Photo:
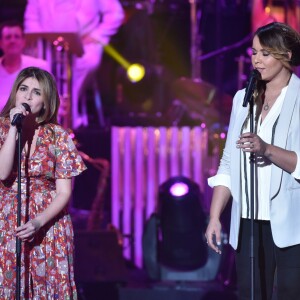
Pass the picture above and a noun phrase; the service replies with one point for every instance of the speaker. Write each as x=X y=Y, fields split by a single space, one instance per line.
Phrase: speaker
x=98 y=257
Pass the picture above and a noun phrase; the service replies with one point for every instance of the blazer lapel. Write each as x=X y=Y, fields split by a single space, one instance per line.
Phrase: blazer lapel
x=281 y=133
x=236 y=155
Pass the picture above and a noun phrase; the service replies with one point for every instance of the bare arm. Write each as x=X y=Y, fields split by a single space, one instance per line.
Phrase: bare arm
x=282 y=158
x=221 y=196
x=63 y=193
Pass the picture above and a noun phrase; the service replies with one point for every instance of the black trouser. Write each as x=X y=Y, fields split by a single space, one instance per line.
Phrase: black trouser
x=268 y=257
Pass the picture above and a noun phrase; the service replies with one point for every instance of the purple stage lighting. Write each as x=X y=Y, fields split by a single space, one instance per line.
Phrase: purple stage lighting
x=182 y=221
x=179 y=189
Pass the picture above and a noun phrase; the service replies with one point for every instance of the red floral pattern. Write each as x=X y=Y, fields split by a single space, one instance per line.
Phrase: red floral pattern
x=47 y=262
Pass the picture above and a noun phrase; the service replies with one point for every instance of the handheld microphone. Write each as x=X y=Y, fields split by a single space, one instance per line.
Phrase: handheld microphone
x=251 y=85
x=17 y=119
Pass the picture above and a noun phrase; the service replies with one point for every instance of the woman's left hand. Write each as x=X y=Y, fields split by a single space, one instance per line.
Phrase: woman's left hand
x=26 y=232
x=251 y=142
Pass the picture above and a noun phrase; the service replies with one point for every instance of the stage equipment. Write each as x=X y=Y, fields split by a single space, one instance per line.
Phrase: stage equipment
x=135 y=72
x=58 y=48
x=17 y=121
x=174 y=246
x=195 y=51
x=182 y=224
x=201 y=99
x=96 y=215
x=249 y=99
x=142 y=158
x=98 y=257
x=93 y=185
x=264 y=12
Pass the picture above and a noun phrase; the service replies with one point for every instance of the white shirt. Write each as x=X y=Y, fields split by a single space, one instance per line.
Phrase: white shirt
x=262 y=169
x=98 y=18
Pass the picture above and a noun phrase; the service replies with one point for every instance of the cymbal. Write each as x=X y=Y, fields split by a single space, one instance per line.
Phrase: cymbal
x=201 y=97
x=197 y=89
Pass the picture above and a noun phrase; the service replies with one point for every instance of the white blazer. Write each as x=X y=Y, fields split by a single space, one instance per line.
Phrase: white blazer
x=285 y=187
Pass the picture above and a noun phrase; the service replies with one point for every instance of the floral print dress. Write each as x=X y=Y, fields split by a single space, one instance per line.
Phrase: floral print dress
x=47 y=262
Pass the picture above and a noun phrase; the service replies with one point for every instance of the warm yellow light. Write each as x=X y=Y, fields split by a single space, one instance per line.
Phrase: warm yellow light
x=135 y=72
x=117 y=56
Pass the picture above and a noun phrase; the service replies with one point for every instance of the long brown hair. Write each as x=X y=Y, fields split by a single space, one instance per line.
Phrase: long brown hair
x=279 y=40
x=49 y=112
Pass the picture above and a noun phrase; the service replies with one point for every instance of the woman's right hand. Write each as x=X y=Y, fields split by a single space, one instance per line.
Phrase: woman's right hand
x=20 y=109
x=213 y=234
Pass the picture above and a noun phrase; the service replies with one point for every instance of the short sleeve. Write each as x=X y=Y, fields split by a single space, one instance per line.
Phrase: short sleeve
x=4 y=127
x=219 y=179
x=69 y=163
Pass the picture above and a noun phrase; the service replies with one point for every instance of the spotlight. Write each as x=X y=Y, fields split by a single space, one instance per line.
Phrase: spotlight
x=179 y=189
x=174 y=246
x=182 y=224
x=135 y=72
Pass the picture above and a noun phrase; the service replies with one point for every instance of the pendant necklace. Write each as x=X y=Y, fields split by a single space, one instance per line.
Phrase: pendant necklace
x=266 y=106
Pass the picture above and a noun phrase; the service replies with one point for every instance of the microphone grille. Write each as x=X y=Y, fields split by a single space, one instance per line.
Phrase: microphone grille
x=27 y=107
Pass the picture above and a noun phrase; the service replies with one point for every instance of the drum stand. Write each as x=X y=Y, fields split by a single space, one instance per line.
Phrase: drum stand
x=195 y=50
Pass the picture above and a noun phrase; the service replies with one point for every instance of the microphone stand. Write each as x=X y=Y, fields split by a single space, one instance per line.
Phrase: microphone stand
x=18 y=241
x=252 y=161
x=251 y=87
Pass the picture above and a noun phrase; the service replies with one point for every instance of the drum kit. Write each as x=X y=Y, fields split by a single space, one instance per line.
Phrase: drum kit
x=200 y=100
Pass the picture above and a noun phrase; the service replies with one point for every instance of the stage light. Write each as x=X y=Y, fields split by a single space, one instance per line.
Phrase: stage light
x=136 y=72
x=174 y=246
x=179 y=189
x=182 y=224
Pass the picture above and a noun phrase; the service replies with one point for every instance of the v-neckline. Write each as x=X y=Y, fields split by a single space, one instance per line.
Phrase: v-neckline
x=34 y=143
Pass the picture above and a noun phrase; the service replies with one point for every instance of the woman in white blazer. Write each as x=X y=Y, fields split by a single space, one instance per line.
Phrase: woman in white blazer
x=276 y=147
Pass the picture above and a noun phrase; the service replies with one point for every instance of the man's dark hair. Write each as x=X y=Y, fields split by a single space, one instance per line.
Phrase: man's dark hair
x=10 y=23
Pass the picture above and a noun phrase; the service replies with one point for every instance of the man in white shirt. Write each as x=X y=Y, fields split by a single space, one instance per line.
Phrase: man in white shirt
x=94 y=20
x=12 y=43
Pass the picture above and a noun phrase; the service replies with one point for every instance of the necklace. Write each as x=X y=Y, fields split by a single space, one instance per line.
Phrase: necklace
x=266 y=106
x=270 y=103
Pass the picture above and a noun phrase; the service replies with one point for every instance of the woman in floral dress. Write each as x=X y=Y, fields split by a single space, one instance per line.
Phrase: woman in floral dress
x=49 y=160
